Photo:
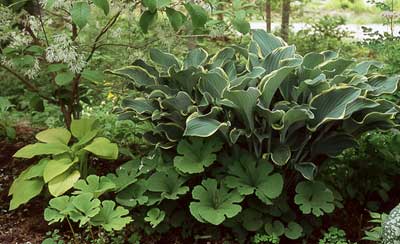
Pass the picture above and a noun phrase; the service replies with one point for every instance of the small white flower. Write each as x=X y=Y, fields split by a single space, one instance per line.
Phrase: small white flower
x=63 y=50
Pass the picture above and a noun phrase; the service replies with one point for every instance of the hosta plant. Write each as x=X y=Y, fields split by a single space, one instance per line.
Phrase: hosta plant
x=62 y=161
x=247 y=128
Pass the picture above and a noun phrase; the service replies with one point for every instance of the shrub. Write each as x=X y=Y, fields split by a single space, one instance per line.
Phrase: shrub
x=238 y=136
x=324 y=34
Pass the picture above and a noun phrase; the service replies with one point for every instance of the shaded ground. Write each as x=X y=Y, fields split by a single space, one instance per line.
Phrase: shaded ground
x=25 y=224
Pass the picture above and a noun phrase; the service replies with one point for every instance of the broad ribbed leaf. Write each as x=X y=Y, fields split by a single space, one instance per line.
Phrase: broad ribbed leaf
x=245 y=104
x=267 y=42
x=62 y=183
x=56 y=135
x=137 y=74
x=166 y=60
x=103 y=148
x=56 y=167
x=36 y=149
x=196 y=57
x=331 y=105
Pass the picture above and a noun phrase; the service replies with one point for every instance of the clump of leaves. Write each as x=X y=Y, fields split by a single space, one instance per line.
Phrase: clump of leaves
x=245 y=128
x=334 y=236
x=64 y=162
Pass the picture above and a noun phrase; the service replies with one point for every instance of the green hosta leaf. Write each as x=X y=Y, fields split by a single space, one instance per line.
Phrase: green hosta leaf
x=94 y=184
x=133 y=195
x=214 y=204
x=196 y=154
x=85 y=208
x=197 y=14
x=364 y=67
x=166 y=60
x=333 y=144
x=64 y=78
x=307 y=169
x=294 y=115
x=155 y=216
x=314 y=197
x=123 y=178
x=176 y=18
x=244 y=104
x=24 y=190
x=56 y=167
x=267 y=41
x=274 y=60
x=59 y=208
x=293 y=230
x=138 y=75
x=203 y=125
x=34 y=171
x=331 y=105
x=249 y=176
x=62 y=183
x=111 y=218
x=222 y=57
x=213 y=83
x=147 y=19
x=80 y=13
x=80 y=128
x=56 y=135
x=195 y=58
x=271 y=83
x=280 y=154
x=36 y=149
x=383 y=85
x=103 y=5
x=103 y=148
x=139 y=105
x=168 y=183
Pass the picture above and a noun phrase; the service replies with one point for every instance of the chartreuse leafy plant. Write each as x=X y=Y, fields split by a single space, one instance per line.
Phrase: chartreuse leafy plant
x=63 y=162
x=247 y=128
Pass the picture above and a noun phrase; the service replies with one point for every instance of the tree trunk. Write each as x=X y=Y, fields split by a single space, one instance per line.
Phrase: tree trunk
x=285 y=19
x=268 y=17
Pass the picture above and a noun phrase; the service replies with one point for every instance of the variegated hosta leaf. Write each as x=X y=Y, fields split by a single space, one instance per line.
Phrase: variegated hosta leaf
x=267 y=42
x=195 y=58
x=331 y=105
x=244 y=104
x=138 y=75
x=166 y=60
x=203 y=125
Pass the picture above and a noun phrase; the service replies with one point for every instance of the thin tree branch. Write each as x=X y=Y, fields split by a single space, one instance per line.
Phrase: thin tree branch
x=28 y=84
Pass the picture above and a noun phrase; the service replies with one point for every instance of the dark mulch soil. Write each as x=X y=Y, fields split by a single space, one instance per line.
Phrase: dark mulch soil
x=25 y=224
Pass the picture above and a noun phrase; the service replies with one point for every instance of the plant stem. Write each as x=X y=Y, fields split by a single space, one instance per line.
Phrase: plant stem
x=91 y=232
x=72 y=230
